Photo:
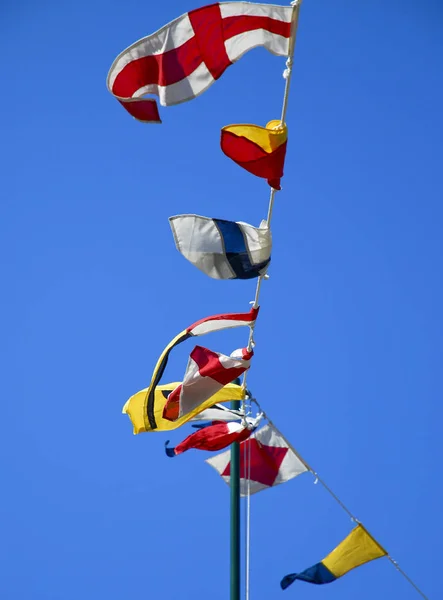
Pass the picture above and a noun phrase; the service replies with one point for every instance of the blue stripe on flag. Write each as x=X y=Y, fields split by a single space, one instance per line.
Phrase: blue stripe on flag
x=236 y=250
x=316 y=574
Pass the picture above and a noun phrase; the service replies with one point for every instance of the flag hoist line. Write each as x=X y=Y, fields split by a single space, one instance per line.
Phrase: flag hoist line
x=235 y=448
x=131 y=102
x=353 y=518
x=235 y=453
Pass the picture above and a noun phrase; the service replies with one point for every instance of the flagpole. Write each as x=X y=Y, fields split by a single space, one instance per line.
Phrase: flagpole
x=235 y=448
x=235 y=511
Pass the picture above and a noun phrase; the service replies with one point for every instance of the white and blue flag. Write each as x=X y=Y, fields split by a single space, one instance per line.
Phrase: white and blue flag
x=223 y=249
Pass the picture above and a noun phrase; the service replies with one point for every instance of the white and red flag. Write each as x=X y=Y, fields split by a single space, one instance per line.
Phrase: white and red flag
x=213 y=437
x=204 y=326
x=184 y=58
x=265 y=460
x=207 y=372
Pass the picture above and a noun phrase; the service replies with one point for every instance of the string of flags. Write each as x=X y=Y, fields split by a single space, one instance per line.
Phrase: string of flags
x=177 y=63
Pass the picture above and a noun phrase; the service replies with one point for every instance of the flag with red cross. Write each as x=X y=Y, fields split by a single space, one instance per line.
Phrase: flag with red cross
x=184 y=58
x=265 y=459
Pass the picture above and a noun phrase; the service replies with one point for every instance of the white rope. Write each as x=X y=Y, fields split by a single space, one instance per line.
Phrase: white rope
x=287 y=76
x=248 y=520
x=335 y=497
x=397 y=566
x=288 y=72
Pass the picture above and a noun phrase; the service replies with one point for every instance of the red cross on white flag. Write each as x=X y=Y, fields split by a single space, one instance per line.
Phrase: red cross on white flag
x=184 y=58
x=265 y=457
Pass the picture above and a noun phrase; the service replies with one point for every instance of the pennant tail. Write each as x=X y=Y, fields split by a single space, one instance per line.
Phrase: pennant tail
x=223 y=321
x=318 y=574
x=143 y=110
x=170 y=452
x=159 y=369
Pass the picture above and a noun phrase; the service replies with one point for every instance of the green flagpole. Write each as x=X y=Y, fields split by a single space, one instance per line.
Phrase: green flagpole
x=235 y=511
x=236 y=404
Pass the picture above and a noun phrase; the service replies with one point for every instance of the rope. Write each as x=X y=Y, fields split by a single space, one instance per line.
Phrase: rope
x=287 y=75
x=288 y=72
x=248 y=521
x=397 y=566
x=337 y=499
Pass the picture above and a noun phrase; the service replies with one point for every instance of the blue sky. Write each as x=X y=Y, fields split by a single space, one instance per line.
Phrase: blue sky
x=349 y=340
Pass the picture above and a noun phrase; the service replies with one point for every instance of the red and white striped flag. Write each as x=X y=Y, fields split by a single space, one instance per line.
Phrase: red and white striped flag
x=207 y=372
x=223 y=321
x=212 y=438
x=202 y=327
x=184 y=58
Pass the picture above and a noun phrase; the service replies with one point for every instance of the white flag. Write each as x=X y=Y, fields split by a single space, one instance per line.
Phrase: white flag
x=223 y=249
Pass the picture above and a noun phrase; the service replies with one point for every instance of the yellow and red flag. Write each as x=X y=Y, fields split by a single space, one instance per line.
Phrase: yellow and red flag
x=259 y=150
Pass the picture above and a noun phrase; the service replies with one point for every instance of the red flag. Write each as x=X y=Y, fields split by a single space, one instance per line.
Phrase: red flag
x=212 y=437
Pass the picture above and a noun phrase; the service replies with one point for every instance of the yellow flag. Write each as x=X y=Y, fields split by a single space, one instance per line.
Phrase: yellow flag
x=358 y=548
x=135 y=407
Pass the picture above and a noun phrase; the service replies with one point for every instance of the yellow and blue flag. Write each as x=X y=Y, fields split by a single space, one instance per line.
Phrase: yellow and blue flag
x=358 y=548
